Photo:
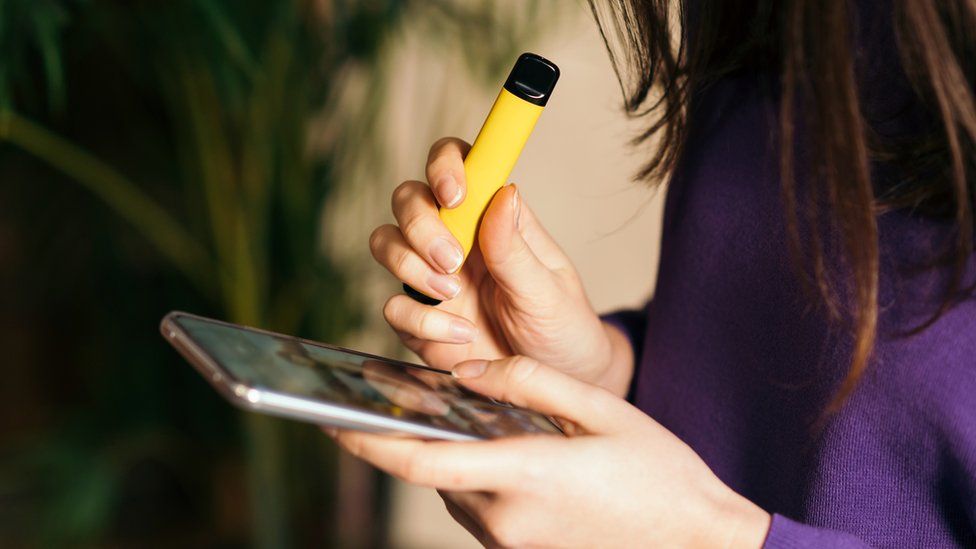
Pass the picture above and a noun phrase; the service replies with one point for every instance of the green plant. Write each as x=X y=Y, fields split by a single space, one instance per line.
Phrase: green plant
x=188 y=120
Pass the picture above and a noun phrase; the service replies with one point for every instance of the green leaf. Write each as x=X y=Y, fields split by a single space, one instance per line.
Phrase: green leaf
x=49 y=20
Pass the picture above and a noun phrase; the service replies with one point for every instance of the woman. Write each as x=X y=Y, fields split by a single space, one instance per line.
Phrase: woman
x=805 y=374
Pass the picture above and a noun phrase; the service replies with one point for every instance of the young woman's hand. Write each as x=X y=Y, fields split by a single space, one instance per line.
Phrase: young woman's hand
x=518 y=294
x=618 y=480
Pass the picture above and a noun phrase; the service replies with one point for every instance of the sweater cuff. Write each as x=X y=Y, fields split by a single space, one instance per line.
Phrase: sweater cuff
x=788 y=534
x=633 y=324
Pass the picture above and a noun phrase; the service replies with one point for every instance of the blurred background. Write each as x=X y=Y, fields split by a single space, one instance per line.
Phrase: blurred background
x=230 y=158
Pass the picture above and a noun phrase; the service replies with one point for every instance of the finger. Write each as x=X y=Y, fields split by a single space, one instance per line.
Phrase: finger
x=468 y=466
x=526 y=383
x=412 y=343
x=428 y=323
x=445 y=170
x=391 y=250
x=416 y=213
x=542 y=244
x=507 y=255
x=473 y=503
x=402 y=389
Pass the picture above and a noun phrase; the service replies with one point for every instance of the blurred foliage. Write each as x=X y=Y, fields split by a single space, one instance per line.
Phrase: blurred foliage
x=155 y=155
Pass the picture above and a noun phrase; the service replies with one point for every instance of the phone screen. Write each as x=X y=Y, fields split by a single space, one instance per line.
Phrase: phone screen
x=284 y=364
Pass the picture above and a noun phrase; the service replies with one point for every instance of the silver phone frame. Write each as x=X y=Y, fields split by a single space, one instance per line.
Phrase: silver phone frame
x=291 y=406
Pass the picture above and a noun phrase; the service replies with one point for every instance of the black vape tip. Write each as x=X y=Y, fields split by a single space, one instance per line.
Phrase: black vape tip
x=532 y=78
x=422 y=298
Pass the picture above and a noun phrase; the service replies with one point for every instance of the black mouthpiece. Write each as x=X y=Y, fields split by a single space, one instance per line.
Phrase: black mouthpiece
x=417 y=296
x=532 y=78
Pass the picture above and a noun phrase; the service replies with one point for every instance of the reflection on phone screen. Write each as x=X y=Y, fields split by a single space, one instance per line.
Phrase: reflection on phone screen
x=287 y=365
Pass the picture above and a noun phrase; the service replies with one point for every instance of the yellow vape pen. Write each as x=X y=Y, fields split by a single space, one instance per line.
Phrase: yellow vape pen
x=497 y=147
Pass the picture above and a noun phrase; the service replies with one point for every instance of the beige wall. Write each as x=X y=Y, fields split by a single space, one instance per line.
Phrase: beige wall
x=575 y=173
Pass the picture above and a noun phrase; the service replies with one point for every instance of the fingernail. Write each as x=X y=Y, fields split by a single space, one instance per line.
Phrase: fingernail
x=470 y=369
x=517 y=206
x=447 y=285
x=448 y=191
x=461 y=331
x=446 y=254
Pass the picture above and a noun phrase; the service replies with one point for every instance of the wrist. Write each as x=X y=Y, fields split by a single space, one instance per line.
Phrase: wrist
x=616 y=368
x=740 y=522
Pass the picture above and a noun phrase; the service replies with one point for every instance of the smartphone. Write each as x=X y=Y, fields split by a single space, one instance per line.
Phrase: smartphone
x=327 y=385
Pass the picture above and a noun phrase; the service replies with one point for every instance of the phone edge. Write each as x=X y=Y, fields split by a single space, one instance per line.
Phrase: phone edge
x=252 y=399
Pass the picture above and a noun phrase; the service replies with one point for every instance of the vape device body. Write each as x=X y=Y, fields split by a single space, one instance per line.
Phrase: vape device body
x=497 y=148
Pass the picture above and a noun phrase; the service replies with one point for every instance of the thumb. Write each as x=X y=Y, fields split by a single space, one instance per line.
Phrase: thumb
x=526 y=383
x=507 y=255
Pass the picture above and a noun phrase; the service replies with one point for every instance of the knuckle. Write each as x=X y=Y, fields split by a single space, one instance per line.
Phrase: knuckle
x=406 y=315
x=414 y=467
x=400 y=262
x=424 y=321
x=378 y=238
x=520 y=369
x=515 y=374
x=446 y=150
x=402 y=194
x=412 y=226
x=534 y=476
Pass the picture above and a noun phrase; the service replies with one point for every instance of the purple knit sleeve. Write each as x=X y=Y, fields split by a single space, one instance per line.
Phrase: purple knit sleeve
x=787 y=534
x=632 y=322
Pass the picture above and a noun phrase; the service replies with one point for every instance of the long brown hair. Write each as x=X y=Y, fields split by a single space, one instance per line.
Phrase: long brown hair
x=660 y=64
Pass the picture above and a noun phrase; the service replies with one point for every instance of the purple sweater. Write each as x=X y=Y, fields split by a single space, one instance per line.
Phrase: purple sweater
x=735 y=360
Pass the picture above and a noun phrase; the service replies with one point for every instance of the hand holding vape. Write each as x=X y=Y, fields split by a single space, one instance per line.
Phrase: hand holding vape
x=497 y=148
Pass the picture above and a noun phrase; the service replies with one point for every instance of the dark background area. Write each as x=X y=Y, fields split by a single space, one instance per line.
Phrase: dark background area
x=154 y=156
